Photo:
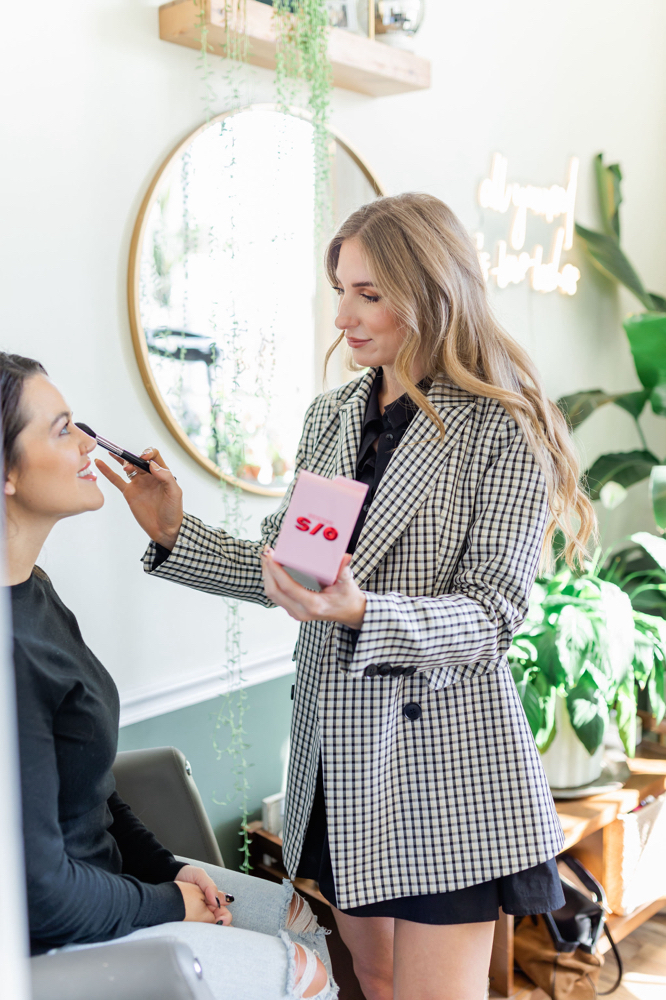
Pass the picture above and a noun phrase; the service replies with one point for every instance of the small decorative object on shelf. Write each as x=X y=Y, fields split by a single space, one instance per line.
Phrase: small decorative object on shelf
x=343 y=14
x=397 y=21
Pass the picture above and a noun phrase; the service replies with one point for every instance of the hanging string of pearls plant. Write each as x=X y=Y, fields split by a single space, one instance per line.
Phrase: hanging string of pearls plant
x=303 y=81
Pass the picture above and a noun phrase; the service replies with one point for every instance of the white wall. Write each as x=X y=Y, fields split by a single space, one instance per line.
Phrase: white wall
x=96 y=100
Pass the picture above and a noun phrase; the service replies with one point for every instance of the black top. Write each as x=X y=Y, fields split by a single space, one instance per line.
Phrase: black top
x=387 y=429
x=93 y=871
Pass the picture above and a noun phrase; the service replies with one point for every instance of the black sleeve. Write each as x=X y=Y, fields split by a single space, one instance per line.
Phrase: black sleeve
x=70 y=901
x=161 y=555
x=143 y=855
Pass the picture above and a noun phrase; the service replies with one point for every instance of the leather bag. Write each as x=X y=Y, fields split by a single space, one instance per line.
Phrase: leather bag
x=558 y=950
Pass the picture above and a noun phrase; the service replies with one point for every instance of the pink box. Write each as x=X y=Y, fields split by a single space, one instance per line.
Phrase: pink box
x=318 y=524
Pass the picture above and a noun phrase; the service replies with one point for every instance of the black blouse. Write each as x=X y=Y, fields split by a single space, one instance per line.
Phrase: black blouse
x=387 y=430
x=93 y=871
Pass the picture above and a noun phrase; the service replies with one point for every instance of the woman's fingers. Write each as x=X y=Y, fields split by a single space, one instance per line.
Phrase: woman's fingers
x=299 y=602
x=112 y=476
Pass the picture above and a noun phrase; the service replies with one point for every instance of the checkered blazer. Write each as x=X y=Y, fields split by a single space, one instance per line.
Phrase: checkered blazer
x=432 y=779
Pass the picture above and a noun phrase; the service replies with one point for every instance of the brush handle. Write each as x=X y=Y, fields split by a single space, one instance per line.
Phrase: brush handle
x=140 y=463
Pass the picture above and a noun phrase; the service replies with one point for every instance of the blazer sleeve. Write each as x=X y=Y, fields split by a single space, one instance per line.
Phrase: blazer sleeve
x=467 y=632
x=212 y=560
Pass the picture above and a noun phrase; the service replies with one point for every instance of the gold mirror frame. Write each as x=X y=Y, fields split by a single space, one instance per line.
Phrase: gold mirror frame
x=136 y=326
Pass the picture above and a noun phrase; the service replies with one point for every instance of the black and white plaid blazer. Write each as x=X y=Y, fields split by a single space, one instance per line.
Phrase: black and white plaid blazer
x=432 y=778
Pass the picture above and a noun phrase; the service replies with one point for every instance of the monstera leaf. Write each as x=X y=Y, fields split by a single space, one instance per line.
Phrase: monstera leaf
x=624 y=467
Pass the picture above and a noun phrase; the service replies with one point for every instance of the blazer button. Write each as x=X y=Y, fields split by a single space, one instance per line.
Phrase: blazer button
x=412 y=711
x=409 y=671
x=397 y=671
x=371 y=670
x=384 y=669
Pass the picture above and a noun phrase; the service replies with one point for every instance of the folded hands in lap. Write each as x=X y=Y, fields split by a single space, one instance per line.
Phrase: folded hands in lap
x=204 y=902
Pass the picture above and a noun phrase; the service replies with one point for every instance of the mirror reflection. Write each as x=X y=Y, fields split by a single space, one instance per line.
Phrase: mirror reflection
x=231 y=317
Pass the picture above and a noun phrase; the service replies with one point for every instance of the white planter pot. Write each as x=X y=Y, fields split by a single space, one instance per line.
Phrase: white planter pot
x=566 y=762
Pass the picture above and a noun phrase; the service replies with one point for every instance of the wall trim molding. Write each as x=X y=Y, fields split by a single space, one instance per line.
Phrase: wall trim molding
x=158 y=699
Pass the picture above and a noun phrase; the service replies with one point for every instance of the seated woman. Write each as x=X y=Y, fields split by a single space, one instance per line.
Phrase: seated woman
x=94 y=872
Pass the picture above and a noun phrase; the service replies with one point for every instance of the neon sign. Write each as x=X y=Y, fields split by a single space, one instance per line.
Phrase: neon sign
x=550 y=204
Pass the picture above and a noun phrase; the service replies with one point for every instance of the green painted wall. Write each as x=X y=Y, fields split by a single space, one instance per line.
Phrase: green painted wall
x=193 y=730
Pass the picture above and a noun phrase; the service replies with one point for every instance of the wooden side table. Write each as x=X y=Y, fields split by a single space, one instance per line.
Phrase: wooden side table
x=583 y=822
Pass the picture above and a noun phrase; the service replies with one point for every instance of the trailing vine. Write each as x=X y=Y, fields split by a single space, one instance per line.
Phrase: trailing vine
x=302 y=58
x=234 y=703
x=303 y=79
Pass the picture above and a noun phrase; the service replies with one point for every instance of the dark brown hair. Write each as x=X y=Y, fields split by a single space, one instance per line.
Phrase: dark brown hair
x=14 y=373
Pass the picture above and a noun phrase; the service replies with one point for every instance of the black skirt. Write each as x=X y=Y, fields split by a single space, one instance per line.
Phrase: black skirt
x=534 y=890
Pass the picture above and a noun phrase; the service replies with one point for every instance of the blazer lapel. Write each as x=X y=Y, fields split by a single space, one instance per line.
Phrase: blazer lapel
x=409 y=477
x=351 y=416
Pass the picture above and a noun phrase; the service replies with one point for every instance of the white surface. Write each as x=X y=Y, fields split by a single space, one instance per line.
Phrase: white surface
x=97 y=101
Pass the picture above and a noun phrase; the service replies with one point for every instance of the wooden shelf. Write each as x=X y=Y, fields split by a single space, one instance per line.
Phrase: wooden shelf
x=359 y=64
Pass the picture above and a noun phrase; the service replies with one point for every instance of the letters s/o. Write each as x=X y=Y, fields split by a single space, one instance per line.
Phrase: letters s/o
x=303 y=524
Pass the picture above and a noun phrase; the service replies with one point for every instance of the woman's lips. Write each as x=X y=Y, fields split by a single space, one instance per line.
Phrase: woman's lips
x=353 y=342
x=87 y=472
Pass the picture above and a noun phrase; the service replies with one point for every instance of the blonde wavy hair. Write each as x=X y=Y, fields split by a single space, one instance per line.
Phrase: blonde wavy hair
x=425 y=265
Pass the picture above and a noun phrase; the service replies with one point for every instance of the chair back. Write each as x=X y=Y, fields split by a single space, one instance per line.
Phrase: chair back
x=158 y=786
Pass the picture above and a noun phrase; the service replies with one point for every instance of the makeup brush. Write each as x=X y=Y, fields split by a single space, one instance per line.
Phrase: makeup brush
x=115 y=449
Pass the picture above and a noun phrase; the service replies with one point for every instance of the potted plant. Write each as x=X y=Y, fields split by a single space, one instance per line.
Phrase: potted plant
x=582 y=652
x=612 y=473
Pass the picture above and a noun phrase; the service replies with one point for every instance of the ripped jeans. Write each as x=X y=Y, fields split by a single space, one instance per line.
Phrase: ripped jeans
x=257 y=958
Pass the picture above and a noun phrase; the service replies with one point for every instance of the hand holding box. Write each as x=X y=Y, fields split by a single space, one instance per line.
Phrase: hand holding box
x=318 y=524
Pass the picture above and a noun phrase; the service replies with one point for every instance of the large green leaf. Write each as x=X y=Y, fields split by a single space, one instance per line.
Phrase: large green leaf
x=609 y=180
x=588 y=712
x=625 y=708
x=658 y=302
x=579 y=405
x=548 y=659
x=658 y=498
x=647 y=339
x=548 y=699
x=618 y=645
x=529 y=698
x=633 y=402
x=653 y=545
x=643 y=657
x=574 y=636
x=611 y=259
x=624 y=467
x=655 y=689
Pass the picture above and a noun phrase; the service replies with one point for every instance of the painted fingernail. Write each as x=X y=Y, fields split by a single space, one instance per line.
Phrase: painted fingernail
x=217 y=900
x=229 y=898
x=220 y=923
x=146 y=451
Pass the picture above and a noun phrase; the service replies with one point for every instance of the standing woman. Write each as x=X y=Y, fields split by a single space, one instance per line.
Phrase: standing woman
x=416 y=795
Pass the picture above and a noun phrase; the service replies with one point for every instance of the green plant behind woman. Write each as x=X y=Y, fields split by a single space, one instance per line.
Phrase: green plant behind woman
x=613 y=472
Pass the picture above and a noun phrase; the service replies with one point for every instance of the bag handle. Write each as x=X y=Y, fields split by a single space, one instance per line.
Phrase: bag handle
x=618 y=959
x=588 y=880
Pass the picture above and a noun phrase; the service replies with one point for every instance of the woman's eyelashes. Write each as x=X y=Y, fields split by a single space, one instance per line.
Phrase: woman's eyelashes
x=364 y=295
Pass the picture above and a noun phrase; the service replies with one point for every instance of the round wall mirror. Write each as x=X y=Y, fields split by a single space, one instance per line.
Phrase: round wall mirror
x=230 y=310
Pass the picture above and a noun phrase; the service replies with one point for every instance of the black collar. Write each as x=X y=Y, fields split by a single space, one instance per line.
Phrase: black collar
x=397 y=414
